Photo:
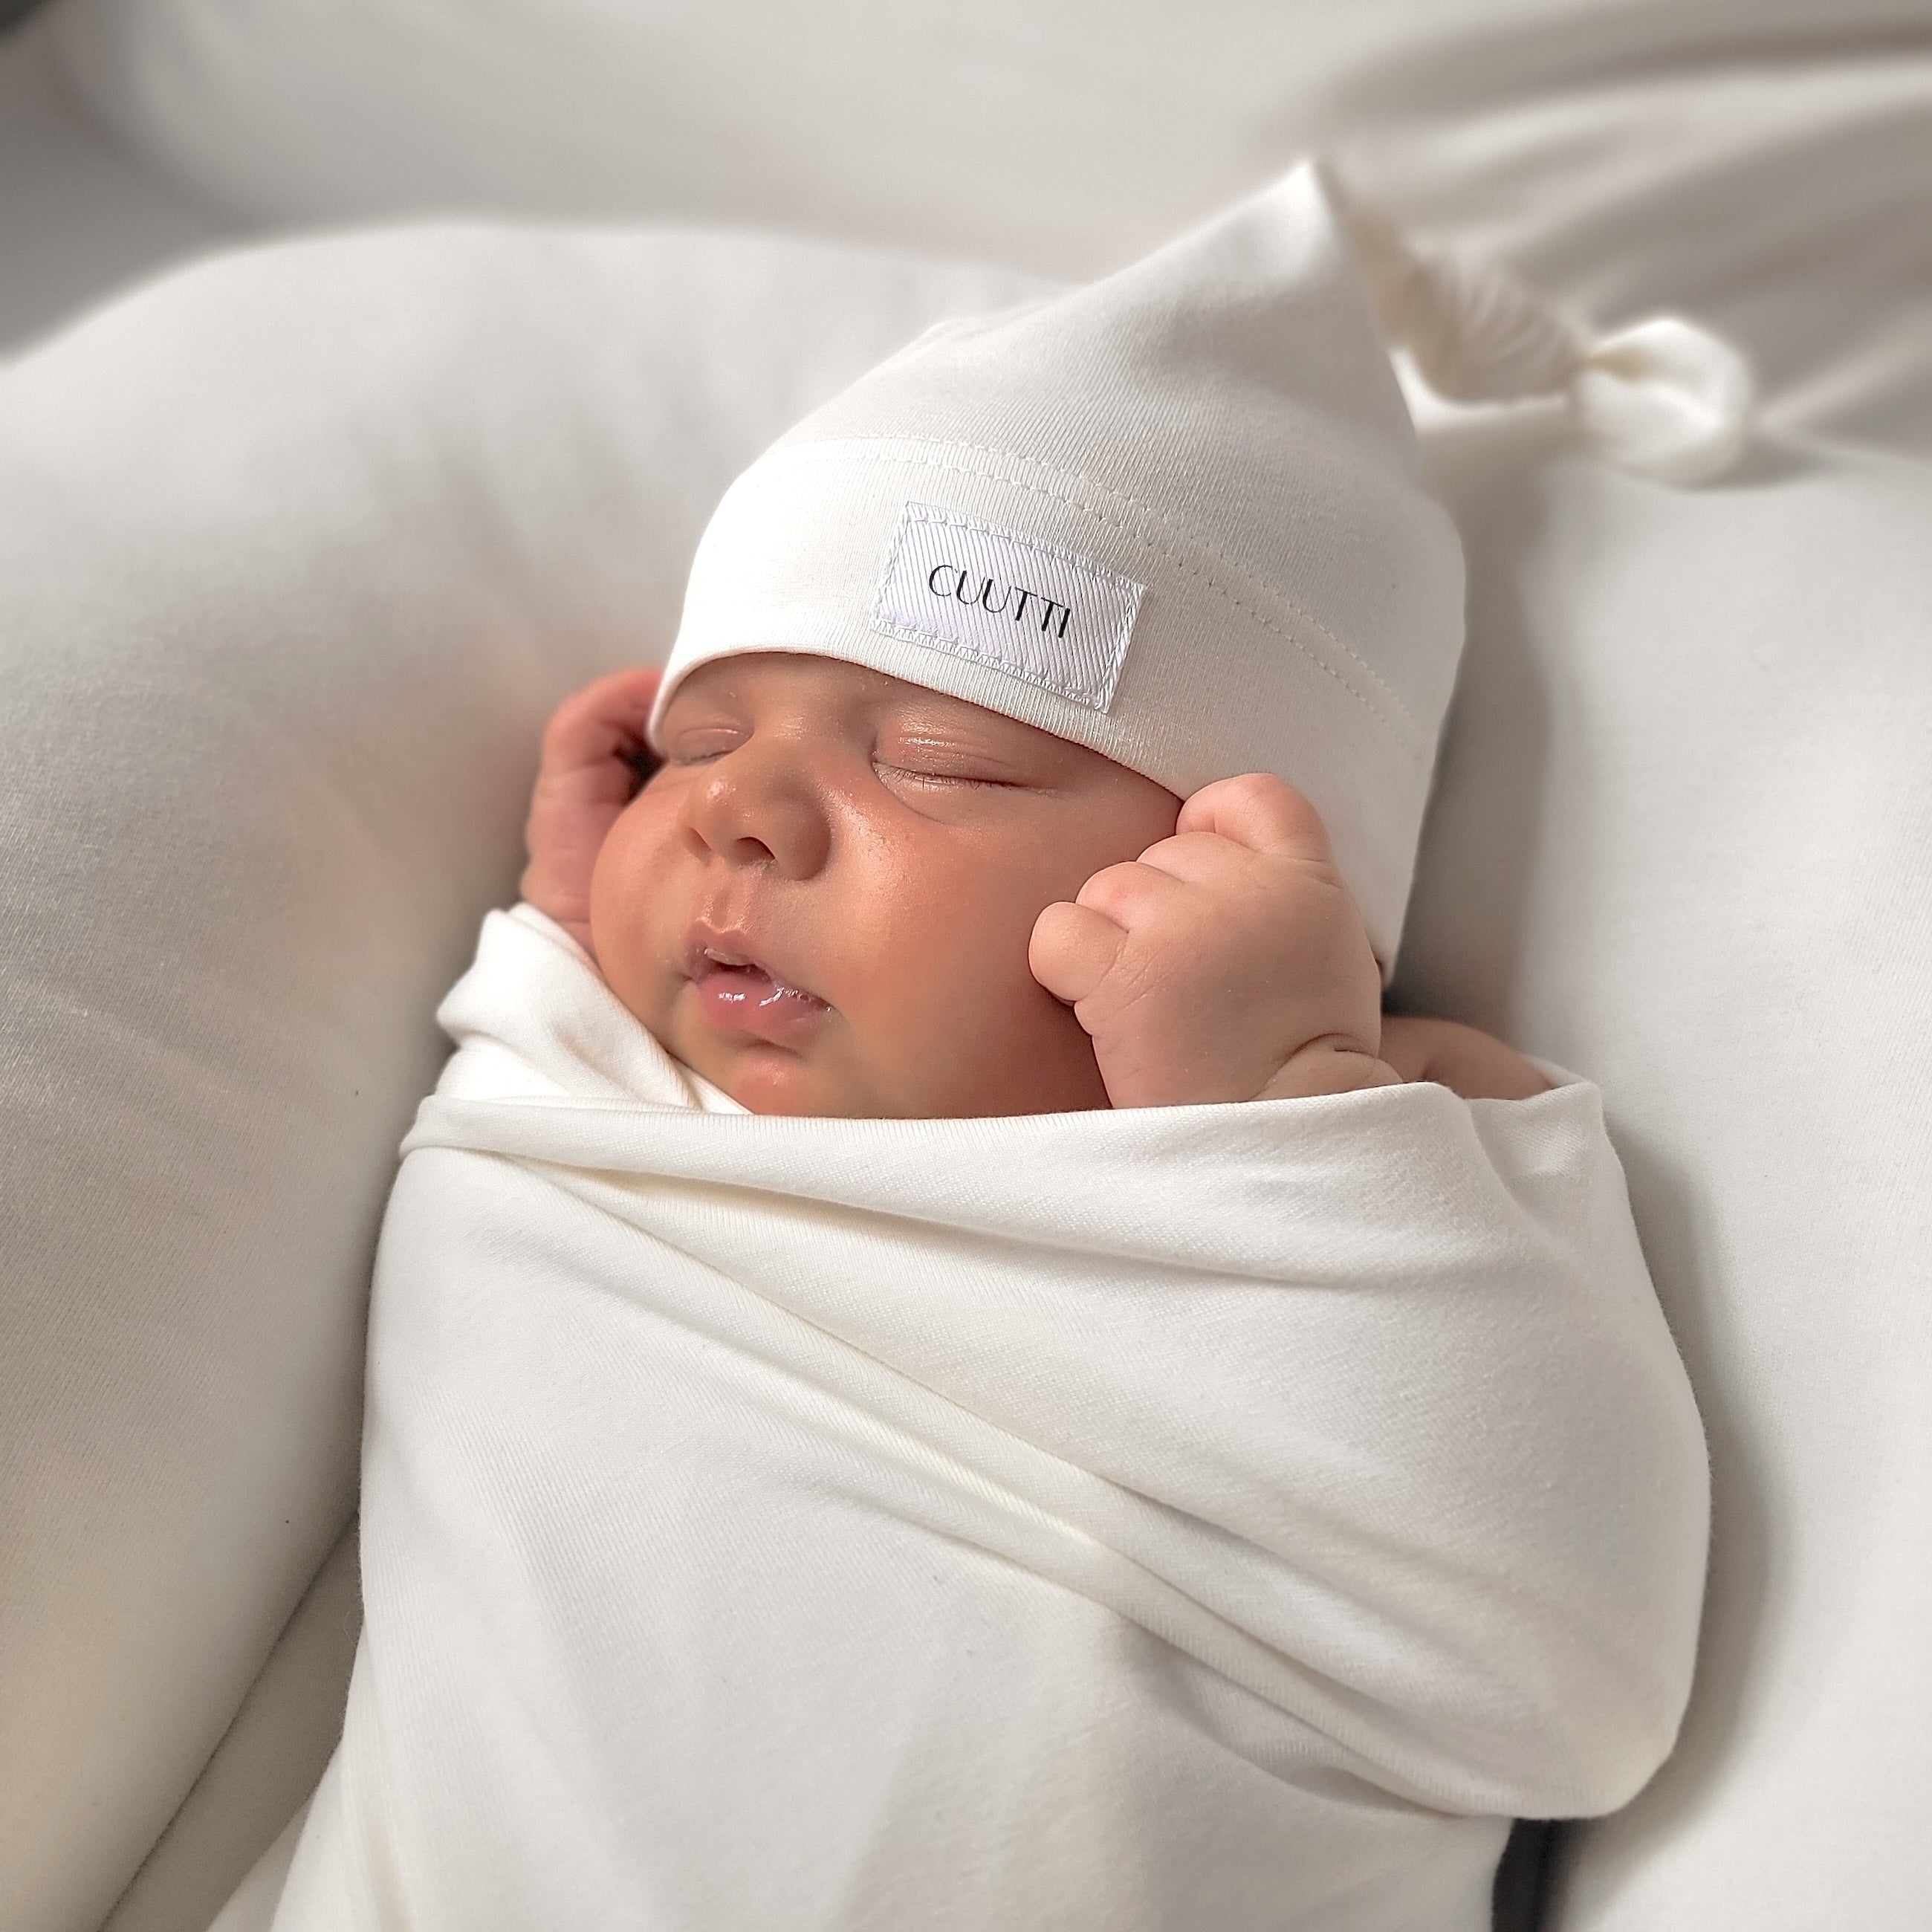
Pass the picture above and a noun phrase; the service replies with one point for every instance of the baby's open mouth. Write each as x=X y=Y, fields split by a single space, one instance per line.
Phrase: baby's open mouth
x=739 y=994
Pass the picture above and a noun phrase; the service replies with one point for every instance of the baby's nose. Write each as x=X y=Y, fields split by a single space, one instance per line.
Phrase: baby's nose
x=753 y=810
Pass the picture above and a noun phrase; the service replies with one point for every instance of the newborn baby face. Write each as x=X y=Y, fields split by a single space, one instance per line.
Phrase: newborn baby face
x=822 y=901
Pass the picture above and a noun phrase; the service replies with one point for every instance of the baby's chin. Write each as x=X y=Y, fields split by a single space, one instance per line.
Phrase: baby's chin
x=764 y=1077
x=828 y=1072
x=774 y=1081
x=764 y=1084
x=769 y=1081
x=819 y=1067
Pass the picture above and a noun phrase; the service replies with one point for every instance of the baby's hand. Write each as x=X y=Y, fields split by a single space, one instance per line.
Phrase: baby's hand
x=592 y=750
x=1459 y=1058
x=1227 y=963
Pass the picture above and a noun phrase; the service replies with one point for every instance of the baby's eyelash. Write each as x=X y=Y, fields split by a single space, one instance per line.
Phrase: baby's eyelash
x=941 y=778
x=683 y=752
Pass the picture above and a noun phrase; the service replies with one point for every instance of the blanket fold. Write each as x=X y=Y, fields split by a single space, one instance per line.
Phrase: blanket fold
x=1223 y=1515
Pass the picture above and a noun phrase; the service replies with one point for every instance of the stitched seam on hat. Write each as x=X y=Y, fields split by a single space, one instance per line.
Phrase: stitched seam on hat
x=1402 y=721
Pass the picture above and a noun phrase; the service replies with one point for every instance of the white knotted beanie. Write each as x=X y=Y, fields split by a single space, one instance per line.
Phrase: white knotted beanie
x=1177 y=515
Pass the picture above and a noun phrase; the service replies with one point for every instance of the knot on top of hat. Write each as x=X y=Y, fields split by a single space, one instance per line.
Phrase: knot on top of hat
x=1663 y=397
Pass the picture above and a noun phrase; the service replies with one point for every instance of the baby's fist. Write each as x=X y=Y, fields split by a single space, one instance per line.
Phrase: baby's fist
x=1228 y=962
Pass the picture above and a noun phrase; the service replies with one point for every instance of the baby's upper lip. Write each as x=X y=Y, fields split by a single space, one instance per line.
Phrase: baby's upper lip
x=707 y=947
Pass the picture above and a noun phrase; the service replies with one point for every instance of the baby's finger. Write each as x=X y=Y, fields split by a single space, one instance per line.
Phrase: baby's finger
x=1128 y=894
x=1072 y=950
x=1197 y=858
x=602 y=723
x=1260 y=812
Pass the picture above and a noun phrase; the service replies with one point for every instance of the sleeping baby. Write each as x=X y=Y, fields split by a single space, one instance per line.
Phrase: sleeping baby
x=829 y=901
x=936 y=1360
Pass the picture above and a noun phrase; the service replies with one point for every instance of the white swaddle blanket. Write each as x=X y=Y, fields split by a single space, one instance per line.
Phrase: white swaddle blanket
x=1197 y=1517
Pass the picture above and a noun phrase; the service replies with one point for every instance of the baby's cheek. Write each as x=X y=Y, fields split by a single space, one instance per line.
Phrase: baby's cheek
x=967 y=1030
x=626 y=913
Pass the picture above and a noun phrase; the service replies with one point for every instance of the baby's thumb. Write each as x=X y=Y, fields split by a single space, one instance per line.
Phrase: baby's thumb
x=1073 y=949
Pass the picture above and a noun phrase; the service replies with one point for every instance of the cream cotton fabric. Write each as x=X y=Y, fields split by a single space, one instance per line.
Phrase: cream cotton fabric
x=1221 y=1515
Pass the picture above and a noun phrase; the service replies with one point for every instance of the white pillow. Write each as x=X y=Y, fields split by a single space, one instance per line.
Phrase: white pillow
x=297 y=550
x=1762 y=164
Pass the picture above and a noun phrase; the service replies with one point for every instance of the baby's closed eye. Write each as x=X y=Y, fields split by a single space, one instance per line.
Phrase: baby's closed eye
x=935 y=759
x=936 y=774
x=699 y=744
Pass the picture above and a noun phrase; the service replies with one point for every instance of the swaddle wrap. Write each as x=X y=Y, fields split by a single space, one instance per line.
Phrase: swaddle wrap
x=1219 y=1516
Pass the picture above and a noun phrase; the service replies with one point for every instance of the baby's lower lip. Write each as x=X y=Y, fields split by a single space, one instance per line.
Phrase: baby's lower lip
x=747 y=999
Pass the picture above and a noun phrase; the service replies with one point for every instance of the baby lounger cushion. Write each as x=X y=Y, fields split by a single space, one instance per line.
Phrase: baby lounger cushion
x=295 y=552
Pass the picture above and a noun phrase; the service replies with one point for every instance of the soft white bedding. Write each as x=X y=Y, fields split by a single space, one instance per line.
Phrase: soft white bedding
x=1220 y=1516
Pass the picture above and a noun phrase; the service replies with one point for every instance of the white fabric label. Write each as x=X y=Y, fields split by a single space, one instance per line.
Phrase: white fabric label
x=1030 y=609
